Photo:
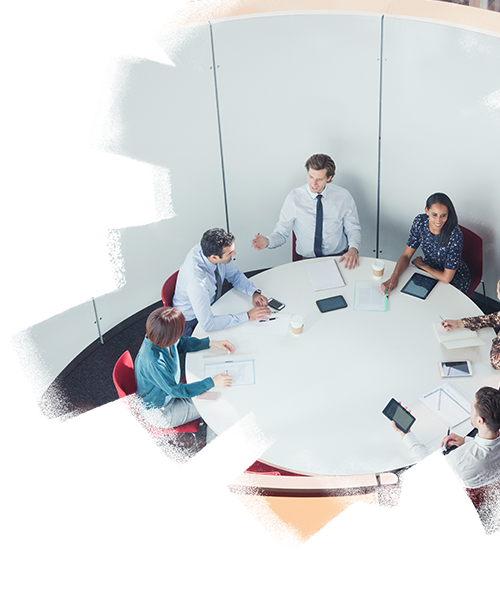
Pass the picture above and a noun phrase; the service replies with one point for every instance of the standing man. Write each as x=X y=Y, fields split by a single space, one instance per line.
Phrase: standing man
x=323 y=216
x=476 y=461
x=199 y=284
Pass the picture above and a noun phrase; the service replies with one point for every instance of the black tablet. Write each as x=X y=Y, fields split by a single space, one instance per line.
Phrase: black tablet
x=402 y=417
x=332 y=303
x=419 y=286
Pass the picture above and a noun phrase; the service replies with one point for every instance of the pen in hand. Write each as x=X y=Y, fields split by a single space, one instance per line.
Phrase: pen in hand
x=446 y=444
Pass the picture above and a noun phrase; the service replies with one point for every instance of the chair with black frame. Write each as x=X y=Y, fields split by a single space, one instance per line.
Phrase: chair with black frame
x=124 y=380
x=472 y=253
x=168 y=289
x=49 y=26
x=14 y=46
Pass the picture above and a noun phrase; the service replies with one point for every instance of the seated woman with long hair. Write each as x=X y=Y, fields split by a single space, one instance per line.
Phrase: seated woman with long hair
x=440 y=237
x=166 y=399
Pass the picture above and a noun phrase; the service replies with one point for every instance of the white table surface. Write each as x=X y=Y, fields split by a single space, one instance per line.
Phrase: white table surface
x=11 y=10
x=319 y=395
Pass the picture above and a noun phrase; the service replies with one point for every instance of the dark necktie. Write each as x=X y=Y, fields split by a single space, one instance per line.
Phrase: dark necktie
x=318 y=235
x=218 y=284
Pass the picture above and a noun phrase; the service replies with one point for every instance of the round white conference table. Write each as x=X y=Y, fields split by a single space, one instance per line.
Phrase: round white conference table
x=319 y=395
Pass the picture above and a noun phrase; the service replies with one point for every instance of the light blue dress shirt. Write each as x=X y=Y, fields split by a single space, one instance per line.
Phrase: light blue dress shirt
x=196 y=286
x=341 y=228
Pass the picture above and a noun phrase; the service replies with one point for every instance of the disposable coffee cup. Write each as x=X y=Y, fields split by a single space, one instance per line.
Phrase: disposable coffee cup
x=378 y=269
x=297 y=324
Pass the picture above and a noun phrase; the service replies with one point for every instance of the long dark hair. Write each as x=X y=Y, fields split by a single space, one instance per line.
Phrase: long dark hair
x=451 y=221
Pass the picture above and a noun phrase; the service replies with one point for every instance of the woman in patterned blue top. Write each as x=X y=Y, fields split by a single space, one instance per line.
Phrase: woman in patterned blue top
x=440 y=237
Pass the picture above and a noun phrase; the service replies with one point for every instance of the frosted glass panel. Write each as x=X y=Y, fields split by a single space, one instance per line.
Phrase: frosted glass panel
x=440 y=131
x=291 y=86
x=140 y=127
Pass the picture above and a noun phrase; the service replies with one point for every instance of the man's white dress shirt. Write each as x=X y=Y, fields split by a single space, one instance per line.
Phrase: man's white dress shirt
x=341 y=228
x=476 y=462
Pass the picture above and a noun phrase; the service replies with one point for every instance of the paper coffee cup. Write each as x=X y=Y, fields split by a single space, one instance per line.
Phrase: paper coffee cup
x=297 y=324
x=378 y=268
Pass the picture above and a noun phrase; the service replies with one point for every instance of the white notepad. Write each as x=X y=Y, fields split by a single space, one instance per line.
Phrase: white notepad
x=324 y=274
x=242 y=371
x=448 y=403
x=457 y=338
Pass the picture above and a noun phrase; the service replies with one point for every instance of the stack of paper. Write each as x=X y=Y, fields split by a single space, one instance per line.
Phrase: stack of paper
x=457 y=338
x=448 y=403
x=369 y=296
x=324 y=274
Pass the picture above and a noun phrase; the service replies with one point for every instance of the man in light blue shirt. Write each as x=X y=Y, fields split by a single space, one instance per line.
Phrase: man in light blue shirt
x=199 y=284
x=322 y=215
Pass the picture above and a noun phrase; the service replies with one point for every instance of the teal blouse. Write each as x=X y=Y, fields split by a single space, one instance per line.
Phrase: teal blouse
x=157 y=373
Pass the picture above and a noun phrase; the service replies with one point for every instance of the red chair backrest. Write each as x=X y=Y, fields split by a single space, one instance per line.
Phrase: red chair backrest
x=14 y=46
x=295 y=256
x=472 y=253
x=168 y=289
x=51 y=25
x=227 y=465
x=124 y=380
x=487 y=495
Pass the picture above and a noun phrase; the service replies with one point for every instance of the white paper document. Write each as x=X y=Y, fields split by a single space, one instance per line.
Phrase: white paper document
x=369 y=296
x=457 y=338
x=448 y=403
x=242 y=371
x=324 y=274
x=277 y=326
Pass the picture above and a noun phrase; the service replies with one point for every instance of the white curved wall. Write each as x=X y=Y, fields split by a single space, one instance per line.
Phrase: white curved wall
x=290 y=85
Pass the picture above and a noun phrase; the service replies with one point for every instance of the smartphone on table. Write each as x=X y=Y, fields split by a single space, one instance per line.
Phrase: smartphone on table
x=455 y=368
x=276 y=304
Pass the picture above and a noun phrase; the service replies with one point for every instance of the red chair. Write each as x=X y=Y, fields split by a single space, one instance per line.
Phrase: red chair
x=472 y=253
x=227 y=465
x=168 y=289
x=14 y=46
x=124 y=380
x=466 y=500
x=245 y=464
x=295 y=255
x=49 y=26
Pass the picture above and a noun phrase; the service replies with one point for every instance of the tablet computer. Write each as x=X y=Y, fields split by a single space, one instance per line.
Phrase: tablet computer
x=419 y=286
x=332 y=303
